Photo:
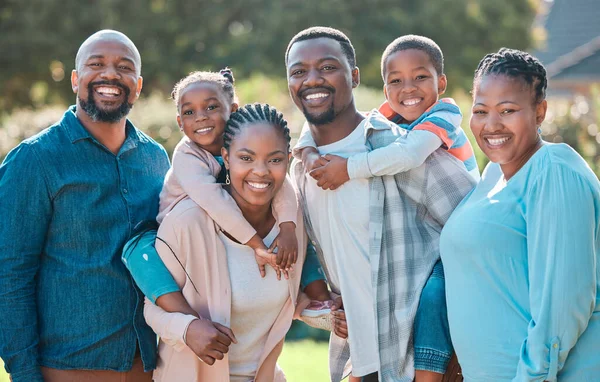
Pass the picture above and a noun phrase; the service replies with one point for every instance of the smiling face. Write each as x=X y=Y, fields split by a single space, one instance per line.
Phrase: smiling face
x=203 y=113
x=412 y=85
x=320 y=79
x=257 y=161
x=505 y=120
x=107 y=80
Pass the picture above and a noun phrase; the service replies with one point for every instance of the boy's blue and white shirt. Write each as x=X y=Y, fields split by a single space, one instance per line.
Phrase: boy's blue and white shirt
x=407 y=213
x=443 y=119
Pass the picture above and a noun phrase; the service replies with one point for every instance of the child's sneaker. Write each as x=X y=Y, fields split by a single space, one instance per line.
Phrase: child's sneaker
x=318 y=315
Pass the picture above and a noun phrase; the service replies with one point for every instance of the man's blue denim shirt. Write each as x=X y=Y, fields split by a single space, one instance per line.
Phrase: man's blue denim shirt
x=68 y=206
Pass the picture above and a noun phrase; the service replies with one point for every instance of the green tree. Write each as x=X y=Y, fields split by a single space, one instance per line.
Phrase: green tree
x=40 y=37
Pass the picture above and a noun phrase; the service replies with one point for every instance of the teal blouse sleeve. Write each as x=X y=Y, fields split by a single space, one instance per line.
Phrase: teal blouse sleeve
x=561 y=216
x=146 y=267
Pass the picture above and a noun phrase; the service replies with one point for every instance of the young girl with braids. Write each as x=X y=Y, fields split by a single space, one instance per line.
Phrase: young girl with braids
x=241 y=319
x=204 y=102
x=521 y=252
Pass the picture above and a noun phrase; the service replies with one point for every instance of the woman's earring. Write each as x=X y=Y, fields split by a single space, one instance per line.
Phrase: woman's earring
x=227 y=180
x=539 y=130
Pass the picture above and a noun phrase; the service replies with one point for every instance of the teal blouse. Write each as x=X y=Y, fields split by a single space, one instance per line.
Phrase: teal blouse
x=523 y=272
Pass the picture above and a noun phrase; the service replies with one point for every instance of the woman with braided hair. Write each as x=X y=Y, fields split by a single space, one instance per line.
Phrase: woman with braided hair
x=239 y=319
x=521 y=252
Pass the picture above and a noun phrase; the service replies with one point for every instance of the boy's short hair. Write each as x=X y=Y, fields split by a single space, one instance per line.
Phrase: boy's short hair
x=326 y=32
x=421 y=43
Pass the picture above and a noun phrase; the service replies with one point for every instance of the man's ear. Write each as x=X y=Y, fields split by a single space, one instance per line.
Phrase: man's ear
x=138 y=88
x=442 y=84
x=74 y=79
x=355 y=77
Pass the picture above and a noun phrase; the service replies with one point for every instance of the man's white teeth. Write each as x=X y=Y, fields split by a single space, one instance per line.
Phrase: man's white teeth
x=411 y=102
x=497 y=141
x=203 y=130
x=316 y=96
x=108 y=90
x=258 y=185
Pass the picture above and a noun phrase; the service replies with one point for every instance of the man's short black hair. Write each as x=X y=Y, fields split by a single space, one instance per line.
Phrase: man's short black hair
x=319 y=32
x=421 y=43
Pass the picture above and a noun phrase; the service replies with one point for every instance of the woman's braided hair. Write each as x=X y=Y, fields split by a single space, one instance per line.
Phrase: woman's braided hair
x=253 y=113
x=517 y=64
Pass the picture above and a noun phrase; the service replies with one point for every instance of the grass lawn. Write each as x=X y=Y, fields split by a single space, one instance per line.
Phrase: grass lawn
x=305 y=361
x=302 y=361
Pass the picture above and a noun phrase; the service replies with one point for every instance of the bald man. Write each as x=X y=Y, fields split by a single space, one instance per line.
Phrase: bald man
x=70 y=197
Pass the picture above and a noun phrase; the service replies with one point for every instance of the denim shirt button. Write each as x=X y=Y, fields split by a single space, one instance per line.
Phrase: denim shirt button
x=124 y=190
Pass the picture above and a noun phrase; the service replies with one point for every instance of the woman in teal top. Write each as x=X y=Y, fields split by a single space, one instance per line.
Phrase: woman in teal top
x=521 y=251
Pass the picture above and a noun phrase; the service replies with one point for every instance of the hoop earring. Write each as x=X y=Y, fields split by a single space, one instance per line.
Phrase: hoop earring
x=227 y=180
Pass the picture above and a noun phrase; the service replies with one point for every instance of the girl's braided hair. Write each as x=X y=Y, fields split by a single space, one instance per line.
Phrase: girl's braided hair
x=223 y=79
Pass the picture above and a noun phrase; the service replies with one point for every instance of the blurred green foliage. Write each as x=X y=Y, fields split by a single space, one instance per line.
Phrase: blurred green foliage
x=40 y=37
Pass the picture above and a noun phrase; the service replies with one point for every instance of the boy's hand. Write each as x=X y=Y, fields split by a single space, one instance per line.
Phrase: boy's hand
x=287 y=245
x=333 y=174
x=312 y=159
x=340 y=326
x=209 y=340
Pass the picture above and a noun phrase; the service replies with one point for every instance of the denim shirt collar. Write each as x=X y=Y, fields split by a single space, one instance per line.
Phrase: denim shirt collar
x=76 y=131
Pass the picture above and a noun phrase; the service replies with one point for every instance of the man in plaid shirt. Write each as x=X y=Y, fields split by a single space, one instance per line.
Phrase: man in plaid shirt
x=377 y=238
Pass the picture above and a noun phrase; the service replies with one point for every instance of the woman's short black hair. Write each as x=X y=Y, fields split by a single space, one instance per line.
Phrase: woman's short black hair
x=517 y=64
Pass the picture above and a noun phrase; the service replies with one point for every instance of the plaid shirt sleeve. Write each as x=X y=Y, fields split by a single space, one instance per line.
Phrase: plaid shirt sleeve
x=447 y=183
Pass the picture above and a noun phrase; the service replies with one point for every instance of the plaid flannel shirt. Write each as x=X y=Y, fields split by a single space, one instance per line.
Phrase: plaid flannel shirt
x=407 y=213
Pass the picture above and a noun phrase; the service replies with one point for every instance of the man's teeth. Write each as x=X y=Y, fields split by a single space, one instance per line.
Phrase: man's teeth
x=411 y=102
x=258 y=185
x=108 y=90
x=203 y=130
x=497 y=141
x=316 y=96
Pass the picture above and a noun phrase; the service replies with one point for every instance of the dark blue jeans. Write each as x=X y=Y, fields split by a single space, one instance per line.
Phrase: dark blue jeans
x=433 y=347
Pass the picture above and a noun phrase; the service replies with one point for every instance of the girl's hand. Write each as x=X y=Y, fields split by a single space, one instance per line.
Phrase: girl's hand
x=209 y=340
x=263 y=257
x=287 y=246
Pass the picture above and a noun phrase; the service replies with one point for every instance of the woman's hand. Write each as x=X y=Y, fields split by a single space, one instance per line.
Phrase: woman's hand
x=340 y=326
x=209 y=340
x=287 y=246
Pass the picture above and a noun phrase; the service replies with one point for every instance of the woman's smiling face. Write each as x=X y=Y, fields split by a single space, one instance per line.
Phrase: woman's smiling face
x=257 y=160
x=505 y=120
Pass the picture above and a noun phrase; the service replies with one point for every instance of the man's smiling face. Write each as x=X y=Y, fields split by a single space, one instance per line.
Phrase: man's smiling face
x=107 y=80
x=320 y=79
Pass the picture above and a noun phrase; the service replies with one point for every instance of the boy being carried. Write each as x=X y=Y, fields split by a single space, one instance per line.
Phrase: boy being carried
x=412 y=68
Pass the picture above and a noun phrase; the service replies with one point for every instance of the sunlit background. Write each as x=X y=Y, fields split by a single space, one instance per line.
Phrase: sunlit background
x=39 y=40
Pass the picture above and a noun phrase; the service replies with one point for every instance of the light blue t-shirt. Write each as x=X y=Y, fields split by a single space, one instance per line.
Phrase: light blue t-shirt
x=523 y=272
